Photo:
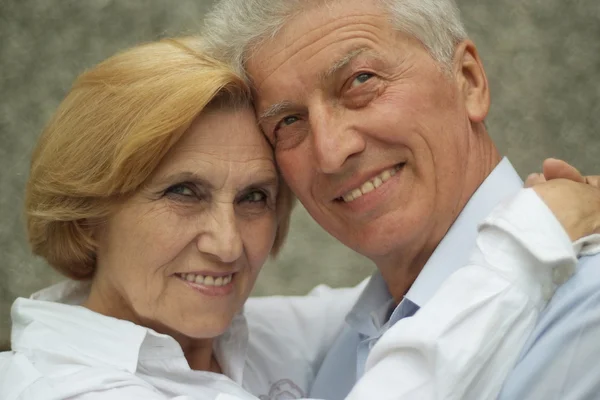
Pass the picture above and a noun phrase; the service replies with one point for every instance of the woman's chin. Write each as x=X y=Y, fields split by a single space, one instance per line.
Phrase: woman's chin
x=204 y=330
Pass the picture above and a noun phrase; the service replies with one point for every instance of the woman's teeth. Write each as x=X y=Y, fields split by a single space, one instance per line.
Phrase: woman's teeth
x=371 y=185
x=207 y=280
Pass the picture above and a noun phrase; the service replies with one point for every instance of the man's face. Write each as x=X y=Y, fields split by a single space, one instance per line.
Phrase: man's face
x=369 y=132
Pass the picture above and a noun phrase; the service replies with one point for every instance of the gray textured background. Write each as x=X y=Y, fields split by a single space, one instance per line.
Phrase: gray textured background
x=542 y=58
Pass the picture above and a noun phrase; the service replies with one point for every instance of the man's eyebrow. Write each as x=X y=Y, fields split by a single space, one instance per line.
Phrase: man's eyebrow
x=275 y=109
x=285 y=106
x=342 y=63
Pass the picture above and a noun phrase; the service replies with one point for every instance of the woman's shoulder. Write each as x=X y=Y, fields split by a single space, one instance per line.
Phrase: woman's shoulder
x=62 y=350
x=23 y=377
x=17 y=375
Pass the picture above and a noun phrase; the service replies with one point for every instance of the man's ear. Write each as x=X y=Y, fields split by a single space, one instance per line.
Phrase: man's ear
x=472 y=81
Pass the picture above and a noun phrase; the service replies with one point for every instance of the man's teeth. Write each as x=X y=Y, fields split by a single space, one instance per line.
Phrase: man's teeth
x=207 y=280
x=371 y=185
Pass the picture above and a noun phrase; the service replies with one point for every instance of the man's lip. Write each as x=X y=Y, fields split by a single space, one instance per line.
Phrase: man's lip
x=359 y=179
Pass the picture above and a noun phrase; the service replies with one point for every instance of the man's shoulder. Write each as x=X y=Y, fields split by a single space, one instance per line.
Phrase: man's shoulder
x=285 y=312
x=307 y=323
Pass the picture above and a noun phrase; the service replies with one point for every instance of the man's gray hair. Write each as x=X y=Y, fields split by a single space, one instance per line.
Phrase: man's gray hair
x=235 y=28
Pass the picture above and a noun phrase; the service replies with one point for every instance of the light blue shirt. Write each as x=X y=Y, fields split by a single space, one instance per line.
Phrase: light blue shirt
x=561 y=359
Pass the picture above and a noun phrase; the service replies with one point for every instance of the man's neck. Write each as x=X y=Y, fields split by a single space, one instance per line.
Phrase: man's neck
x=401 y=268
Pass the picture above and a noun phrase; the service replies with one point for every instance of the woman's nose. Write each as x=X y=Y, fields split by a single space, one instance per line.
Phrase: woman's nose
x=220 y=236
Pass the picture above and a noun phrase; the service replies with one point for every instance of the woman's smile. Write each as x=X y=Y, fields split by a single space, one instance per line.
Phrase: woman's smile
x=207 y=284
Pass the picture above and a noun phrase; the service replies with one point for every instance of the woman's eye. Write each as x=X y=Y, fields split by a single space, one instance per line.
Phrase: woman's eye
x=255 y=197
x=180 y=190
x=361 y=78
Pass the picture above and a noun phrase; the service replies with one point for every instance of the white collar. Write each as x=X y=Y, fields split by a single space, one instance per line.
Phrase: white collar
x=371 y=310
x=108 y=341
x=454 y=249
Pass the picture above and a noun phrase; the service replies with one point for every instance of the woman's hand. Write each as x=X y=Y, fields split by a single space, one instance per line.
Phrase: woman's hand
x=559 y=169
x=573 y=198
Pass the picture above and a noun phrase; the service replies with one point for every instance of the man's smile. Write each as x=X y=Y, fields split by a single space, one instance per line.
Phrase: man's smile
x=370 y=185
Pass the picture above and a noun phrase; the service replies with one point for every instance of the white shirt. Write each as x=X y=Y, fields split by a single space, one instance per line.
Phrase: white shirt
x=460 y=345
x=376 y=311
x=54 y=338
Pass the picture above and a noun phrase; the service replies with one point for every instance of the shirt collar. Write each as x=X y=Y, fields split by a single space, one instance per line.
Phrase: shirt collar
x=455 y=248
x=372 y=309
x=52 y=321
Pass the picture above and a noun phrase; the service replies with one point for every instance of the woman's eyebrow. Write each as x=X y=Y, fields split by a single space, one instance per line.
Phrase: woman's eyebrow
x=266 y=181
x=186 y=176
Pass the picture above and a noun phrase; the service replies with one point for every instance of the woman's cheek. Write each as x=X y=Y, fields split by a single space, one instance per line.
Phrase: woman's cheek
x=260 y=238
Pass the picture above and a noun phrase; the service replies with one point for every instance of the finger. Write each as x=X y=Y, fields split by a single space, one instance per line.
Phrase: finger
x=534 y=179
x=559 y=169
x=593 y=180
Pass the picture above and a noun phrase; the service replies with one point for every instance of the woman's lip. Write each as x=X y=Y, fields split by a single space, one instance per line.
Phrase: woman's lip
x=208 y=290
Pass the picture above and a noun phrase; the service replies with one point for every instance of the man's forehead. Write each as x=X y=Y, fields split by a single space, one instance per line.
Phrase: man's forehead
x=311 y=28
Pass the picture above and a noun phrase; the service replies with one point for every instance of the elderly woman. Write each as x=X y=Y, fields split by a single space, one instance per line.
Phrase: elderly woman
x=153 y=190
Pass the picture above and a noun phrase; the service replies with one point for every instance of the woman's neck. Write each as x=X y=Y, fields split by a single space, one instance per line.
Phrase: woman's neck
x=199 y=354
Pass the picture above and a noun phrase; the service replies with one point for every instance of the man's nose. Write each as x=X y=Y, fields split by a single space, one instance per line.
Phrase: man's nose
x=334 y=139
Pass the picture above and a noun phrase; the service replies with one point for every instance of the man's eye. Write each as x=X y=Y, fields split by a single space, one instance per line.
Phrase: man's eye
x=255 y=197
x=287 y=121
x=180 y=190
x=361 y=78
x=289 y=132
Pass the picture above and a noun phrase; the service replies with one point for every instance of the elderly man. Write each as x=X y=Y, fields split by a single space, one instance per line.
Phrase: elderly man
x=376 y=110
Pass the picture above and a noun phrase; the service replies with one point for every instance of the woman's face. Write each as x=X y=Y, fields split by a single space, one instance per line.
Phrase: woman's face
x=182 y=255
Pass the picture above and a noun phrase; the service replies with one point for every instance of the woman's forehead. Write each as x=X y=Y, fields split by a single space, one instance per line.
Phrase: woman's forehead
x=221 y=141
x=224 y=126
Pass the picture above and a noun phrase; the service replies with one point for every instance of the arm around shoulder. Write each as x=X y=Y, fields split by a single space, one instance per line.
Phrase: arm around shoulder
x=560 y=358
x=308 y=323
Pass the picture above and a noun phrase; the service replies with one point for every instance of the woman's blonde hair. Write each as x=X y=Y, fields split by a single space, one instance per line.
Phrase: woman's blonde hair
x=110 y=133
